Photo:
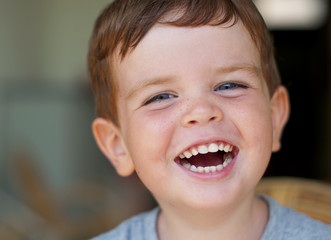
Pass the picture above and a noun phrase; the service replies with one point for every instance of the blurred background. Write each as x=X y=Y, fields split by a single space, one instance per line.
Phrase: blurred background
x=55 y=183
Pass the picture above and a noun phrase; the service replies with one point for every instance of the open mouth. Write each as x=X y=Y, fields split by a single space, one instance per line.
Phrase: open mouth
x=210 y=158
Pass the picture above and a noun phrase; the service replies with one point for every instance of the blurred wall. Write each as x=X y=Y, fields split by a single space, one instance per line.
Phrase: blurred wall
x=45 y=40
x=328 y=129
x=43 y=79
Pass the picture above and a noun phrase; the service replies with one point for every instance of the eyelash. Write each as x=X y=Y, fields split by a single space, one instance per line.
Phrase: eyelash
x=159 y=97
x=230 y=86
x=165 y=96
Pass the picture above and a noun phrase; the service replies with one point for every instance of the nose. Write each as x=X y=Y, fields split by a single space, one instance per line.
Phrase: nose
x=201 y=113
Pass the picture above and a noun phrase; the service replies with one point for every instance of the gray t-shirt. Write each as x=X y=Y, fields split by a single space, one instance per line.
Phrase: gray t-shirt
x=284 y=224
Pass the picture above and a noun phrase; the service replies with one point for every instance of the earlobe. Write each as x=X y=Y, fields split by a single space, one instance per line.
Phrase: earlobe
x=109 y=140
x=280 y=111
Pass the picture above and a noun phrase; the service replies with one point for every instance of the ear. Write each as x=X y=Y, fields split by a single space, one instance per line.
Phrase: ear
x=110 y=141
x=280 y=111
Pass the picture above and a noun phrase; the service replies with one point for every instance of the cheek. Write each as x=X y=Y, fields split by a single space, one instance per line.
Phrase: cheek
x=255 y=123
x=255 y=126
x=148 y=139
x=152 y=132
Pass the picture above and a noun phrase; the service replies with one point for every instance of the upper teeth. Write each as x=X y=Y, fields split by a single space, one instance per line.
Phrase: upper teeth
x=203 y=149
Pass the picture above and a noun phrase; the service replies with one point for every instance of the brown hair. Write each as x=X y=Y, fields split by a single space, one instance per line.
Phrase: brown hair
x=124 y=23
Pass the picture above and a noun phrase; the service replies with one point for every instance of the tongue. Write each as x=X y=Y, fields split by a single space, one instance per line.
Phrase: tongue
x=205 y=160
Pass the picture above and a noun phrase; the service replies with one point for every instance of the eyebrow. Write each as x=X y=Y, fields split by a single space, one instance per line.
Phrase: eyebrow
x=147 y=83
x=250 y=68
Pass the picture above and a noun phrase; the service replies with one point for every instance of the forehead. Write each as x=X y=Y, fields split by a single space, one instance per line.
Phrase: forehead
x=170 y=50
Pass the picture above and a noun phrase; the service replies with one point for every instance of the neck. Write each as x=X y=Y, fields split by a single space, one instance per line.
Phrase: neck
x=236 y=223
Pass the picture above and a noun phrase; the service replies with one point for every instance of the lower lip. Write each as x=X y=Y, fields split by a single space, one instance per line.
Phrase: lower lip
x=212 y=175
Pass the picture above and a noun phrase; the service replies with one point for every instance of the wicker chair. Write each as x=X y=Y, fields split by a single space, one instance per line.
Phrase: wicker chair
x=310 y=197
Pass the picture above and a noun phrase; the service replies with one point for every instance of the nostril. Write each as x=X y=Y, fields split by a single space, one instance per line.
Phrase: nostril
x=201 y=114
x=213 y=118
x=201 y=122
x=192 y=122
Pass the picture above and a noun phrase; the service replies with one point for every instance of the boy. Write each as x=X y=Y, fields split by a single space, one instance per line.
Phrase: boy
x=189 y=96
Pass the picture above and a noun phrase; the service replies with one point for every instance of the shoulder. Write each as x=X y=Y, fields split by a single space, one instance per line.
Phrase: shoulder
x=139 y=227
x=287 y=224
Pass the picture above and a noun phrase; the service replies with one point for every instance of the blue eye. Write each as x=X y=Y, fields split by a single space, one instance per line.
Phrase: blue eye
x=230 y=86
x=159 y=98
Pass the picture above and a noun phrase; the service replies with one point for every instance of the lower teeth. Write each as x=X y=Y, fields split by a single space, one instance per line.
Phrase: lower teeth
x=227 y=159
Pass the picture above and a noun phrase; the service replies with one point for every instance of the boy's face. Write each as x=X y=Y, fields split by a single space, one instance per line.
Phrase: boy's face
x=185 y=88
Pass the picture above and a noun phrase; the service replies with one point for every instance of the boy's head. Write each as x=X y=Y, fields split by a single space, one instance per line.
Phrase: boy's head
x=121 y=27
x=189 y=97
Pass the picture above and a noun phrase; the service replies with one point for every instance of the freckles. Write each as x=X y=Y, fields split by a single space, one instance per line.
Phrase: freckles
x=162 y=120
x=161 y=124
x=151 y=128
